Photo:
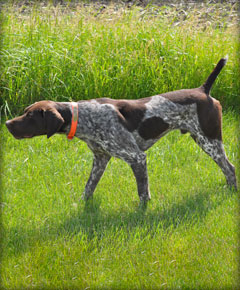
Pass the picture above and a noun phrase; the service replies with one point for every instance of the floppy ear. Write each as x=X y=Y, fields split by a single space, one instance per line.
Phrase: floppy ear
x=26 y=109
x=53 y=121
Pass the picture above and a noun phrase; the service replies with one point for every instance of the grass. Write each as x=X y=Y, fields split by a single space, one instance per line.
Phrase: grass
x=187 y=238
x=69 y=54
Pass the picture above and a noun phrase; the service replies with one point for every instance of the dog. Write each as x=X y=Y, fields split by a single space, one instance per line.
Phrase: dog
x=127 y=128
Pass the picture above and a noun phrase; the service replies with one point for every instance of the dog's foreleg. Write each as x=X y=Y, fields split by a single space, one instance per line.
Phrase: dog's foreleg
x=139 y=168
x=100 y=162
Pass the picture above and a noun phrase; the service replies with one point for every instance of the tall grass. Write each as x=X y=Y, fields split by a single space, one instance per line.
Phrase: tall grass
x=188 y=236
x=70 y=54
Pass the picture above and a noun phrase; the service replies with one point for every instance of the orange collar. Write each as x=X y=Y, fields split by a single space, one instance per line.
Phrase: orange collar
x=74 y=120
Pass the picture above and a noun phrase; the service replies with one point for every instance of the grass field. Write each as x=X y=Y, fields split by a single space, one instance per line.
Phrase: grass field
x=187 y=238
x=62 y=54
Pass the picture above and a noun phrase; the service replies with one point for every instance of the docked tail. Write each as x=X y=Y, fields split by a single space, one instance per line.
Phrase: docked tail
x=206 y=87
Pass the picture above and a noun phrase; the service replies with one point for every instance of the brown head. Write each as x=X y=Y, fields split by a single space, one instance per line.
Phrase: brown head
x=41 y=118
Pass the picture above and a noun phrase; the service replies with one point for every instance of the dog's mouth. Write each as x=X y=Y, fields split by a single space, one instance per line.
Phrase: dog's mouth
x=23 y=137
x=12 y=129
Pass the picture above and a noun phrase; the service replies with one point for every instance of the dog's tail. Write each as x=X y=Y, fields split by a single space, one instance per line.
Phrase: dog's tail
x=206 y=87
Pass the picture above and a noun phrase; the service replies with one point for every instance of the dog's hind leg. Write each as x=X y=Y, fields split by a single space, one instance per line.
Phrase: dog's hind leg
x=214 y=148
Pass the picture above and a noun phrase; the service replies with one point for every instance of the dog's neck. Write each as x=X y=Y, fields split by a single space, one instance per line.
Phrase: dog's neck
x=65 y=109
x=74 y=121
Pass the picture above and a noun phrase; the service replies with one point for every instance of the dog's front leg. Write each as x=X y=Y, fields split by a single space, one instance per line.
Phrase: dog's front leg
x=100 y=162
x=139 y=168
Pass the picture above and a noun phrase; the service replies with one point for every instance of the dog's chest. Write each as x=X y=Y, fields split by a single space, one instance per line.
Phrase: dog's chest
x=95 y=121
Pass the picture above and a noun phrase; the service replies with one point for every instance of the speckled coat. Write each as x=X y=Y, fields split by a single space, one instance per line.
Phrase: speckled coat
x=127 y=128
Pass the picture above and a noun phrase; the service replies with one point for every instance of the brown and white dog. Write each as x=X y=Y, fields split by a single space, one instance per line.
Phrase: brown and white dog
x=127 y=128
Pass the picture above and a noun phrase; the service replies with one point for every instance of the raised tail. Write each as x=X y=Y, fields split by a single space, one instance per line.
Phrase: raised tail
x=206 y=87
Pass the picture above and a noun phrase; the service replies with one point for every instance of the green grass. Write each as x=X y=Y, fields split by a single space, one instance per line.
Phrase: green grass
x=70 y=54
x=186 y=239
x=188 y=236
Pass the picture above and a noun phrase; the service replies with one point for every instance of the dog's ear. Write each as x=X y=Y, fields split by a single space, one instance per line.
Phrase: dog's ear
x=53 y=121
x=29 y=107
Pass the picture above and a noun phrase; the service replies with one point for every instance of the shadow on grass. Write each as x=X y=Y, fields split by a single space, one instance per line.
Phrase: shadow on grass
x=94 y=222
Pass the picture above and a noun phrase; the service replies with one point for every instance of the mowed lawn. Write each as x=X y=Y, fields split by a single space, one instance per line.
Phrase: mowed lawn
x=187 y=238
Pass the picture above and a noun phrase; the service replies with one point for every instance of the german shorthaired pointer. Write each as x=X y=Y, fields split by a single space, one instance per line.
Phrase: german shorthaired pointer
x=127 y=128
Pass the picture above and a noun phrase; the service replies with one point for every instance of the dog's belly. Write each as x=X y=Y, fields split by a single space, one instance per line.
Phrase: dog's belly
x=99 y=124
x=143 y=144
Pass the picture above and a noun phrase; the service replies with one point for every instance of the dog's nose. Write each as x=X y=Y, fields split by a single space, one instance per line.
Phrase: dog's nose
x=8 y=124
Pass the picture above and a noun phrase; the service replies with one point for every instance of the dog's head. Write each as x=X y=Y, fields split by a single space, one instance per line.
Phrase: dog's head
x=41 y=118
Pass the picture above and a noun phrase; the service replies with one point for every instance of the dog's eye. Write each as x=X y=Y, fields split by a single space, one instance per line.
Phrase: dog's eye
x=29 y=114
x=42 y=113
